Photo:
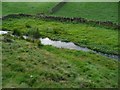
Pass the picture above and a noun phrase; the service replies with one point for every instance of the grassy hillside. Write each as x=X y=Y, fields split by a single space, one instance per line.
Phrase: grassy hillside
x=96 y=38
x=92 y=10
x=26 y=7
x=0 y=9
x=96 y=11
x=27 y=65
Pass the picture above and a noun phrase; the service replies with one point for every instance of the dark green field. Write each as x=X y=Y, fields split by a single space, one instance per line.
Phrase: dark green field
x=96 y=11
x=26 y=7
x=28 y=63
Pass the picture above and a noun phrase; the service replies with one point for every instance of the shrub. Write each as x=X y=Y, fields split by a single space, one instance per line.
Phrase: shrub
x=17 y=32
x=28 y=26
x=34 y=33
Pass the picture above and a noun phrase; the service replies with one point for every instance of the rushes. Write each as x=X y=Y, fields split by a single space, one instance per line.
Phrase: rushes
x=34 y=33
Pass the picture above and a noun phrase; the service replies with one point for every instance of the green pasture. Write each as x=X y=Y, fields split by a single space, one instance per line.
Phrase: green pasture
x=95 y=38
x=28 y=65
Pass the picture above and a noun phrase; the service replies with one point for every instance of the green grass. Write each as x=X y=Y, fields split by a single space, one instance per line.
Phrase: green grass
x=0 y=9
x=101 y=11
x=27 y=65
x=96 y=38
x=26 y=7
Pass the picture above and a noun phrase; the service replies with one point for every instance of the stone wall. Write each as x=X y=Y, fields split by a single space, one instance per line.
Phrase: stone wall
x=106 y=24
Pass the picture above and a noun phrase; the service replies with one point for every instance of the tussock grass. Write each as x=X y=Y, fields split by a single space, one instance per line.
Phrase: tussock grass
x=26 y=65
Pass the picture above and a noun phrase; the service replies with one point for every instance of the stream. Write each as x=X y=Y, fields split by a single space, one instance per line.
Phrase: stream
x=3 y=32
x=59 y=44
x=71 y=45
x=67 y=45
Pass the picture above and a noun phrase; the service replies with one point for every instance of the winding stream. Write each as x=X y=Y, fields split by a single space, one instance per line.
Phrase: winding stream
x=67 y=45
x=59 y=44
x=71 y=45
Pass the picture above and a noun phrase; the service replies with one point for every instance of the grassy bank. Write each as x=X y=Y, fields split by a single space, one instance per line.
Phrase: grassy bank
x=96 y=38
x=27 y=65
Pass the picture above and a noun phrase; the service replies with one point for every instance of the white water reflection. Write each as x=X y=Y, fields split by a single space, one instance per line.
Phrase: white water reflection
x=71 y=45
x=3 y=32
x=59 y=44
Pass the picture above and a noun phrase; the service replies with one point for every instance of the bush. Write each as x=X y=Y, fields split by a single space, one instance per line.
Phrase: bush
x=28 y=26
x=34 y=33
x=17 y=32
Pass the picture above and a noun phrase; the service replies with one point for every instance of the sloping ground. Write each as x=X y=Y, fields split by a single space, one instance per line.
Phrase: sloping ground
x=96 y=38
x=91 y=10
x=27 y=65
x=26 y=7
x=0 y=9
x=101 y=11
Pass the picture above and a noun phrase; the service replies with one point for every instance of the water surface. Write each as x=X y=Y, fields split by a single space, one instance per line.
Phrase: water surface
x=59 y=44
x=67 y=45
x=71 y=45
x=3 y=32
